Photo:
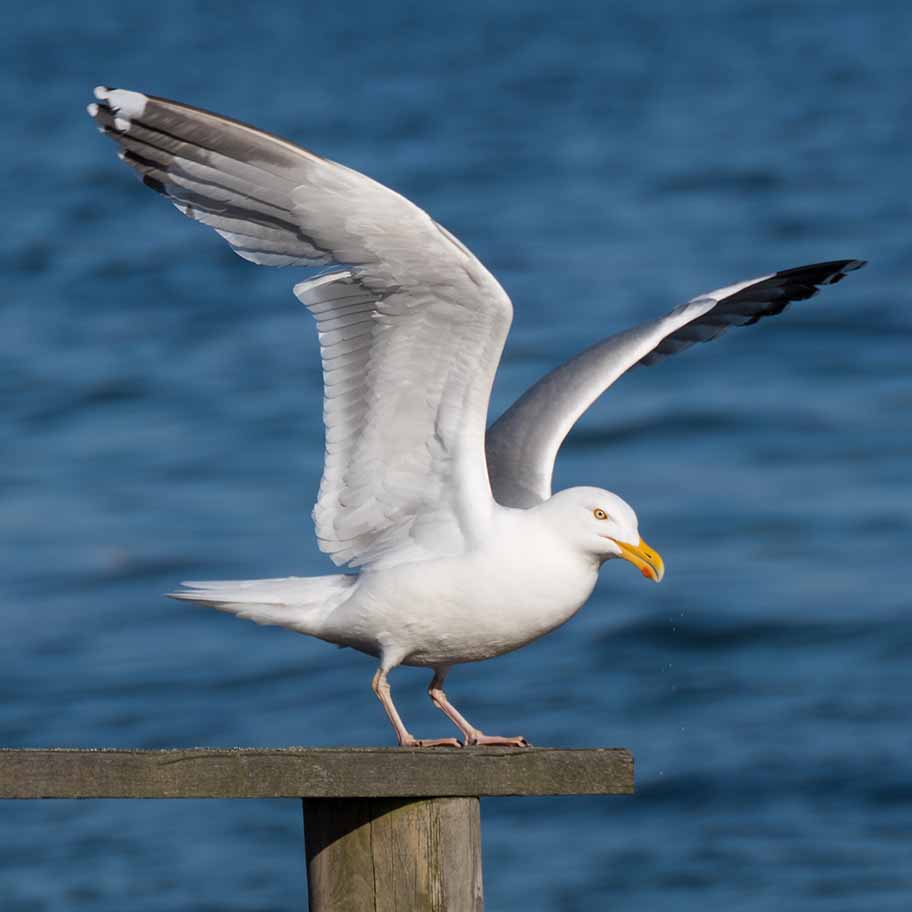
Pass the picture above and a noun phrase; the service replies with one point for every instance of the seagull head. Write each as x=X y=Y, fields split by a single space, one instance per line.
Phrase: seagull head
x=603 y=525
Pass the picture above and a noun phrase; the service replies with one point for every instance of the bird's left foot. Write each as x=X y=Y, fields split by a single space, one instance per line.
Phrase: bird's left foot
x=479 y=738
x=430 y=742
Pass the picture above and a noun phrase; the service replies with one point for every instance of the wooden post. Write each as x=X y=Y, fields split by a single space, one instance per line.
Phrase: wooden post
x=386 y=829
x=393 y=854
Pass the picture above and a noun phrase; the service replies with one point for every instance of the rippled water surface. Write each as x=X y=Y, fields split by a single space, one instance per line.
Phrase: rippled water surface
x=161 y=421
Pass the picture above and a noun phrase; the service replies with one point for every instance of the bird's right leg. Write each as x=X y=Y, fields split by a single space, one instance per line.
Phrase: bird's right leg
x=381 y=688
x=473 y=736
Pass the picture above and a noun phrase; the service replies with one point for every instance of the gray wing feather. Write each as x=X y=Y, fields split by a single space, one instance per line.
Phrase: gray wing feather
x=523 y=443
x=414 y=315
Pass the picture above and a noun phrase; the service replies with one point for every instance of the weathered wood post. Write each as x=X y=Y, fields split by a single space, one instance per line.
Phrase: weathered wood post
x=386 y=829
x=393 y=854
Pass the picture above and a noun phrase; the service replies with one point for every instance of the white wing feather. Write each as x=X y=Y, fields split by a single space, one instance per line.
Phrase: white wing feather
x=411 y=332
x=407 y=374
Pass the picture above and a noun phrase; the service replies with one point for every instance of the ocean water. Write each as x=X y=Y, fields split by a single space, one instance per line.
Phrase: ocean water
x=160 y=420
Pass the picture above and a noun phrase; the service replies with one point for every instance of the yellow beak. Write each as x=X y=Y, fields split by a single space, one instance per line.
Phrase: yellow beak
x=647 y=561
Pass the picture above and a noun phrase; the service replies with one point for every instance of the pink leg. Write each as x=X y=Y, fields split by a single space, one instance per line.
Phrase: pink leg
x=382 y=689
x=472 y=735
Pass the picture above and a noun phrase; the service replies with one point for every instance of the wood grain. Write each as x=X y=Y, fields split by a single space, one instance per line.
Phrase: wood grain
x=313 y=772
x=393 y=855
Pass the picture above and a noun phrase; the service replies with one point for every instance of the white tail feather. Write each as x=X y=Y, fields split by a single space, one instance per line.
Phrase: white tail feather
x=298 y=603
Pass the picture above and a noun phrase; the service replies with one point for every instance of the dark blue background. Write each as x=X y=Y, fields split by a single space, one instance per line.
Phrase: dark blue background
x=161 y=420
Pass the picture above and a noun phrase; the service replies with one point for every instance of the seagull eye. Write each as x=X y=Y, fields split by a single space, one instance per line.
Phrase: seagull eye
x=599 y=513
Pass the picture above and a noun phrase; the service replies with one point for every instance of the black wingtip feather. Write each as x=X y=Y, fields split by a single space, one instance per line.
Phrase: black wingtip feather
x=763 y=298
x=828 y=273
x=779 y=307
x=155 y=184
x=801 y=283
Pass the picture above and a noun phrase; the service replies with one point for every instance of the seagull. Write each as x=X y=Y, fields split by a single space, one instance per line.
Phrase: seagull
x=453 y=546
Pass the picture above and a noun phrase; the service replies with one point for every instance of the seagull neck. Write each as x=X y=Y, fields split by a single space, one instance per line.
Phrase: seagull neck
x=538 y=530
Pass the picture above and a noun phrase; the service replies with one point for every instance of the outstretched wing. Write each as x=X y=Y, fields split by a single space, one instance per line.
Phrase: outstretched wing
x=523 y=443
x=411 y=324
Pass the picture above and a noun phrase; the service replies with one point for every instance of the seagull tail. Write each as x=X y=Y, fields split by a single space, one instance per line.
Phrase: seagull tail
x=299 y=603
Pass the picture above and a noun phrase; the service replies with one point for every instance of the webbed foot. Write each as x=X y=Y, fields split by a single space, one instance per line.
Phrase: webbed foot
x=429 y=742
x=479 y=739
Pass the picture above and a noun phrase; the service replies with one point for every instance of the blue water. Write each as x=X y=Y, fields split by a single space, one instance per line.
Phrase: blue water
x=160 y=403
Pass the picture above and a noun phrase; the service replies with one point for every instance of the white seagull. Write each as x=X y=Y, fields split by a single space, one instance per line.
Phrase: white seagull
x=462 y=550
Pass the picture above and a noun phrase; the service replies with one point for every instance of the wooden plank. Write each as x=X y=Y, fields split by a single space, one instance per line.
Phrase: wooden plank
x=313 y=772
x=393 y=854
